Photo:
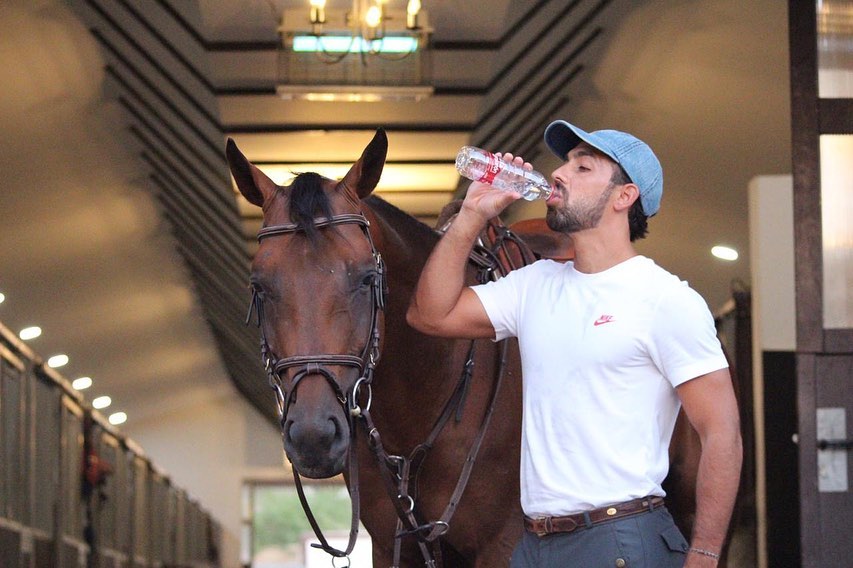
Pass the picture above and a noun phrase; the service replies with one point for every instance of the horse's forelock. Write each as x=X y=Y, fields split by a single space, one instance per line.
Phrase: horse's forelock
x=307 y=201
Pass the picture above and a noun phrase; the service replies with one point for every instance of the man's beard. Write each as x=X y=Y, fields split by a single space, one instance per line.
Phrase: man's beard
x=580 y=216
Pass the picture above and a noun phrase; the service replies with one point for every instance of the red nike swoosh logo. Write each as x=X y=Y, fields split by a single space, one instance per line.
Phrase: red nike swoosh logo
x=603 y=319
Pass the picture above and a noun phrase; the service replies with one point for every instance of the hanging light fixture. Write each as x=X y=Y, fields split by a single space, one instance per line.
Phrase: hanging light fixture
x=413 y=9
x=372 y=51
x=318 y=15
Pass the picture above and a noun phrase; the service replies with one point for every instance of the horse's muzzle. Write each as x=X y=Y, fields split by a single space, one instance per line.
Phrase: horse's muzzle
x=316 y=442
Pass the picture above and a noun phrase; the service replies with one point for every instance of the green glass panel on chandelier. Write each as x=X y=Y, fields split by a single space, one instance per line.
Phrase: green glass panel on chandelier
x=346 y=43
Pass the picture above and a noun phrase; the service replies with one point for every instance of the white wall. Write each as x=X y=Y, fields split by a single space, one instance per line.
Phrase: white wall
x=771 y=226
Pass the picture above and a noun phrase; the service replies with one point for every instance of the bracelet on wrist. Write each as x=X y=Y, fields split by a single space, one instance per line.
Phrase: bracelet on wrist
x=704 y=552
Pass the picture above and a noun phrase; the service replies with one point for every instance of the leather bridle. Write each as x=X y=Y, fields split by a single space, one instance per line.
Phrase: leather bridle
x=308 y=365
x=318 y=364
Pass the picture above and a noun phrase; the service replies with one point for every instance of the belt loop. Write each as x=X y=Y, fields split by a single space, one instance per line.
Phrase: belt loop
x=652 y=504
x=587 y=520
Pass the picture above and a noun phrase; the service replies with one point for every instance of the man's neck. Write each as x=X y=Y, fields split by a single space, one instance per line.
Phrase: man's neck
x=597 y=251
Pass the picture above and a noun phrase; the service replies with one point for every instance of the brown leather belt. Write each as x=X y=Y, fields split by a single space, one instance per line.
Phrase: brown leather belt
x=542 y=526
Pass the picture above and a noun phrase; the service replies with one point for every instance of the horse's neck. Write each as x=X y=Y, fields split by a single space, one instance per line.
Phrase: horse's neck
x=404 y=242
x=405 y=245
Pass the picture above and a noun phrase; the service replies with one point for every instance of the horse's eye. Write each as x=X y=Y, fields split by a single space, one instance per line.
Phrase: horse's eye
x=367 y=280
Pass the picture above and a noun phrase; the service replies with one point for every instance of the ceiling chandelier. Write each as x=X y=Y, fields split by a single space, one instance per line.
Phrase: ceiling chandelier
x=371 y=51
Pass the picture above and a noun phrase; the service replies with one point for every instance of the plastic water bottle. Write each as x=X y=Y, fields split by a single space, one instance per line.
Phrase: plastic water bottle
x=479 y=165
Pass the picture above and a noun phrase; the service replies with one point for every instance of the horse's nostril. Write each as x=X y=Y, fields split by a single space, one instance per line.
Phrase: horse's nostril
x=333 y=429
x=336 y=428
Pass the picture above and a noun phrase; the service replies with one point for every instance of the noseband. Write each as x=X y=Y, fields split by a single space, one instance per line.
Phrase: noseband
x=318 y=364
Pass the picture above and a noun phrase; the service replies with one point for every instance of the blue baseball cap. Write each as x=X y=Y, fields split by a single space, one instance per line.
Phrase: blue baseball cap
x=634 y=155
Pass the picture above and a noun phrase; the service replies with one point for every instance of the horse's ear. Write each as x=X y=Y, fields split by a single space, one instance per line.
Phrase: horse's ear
x=251 y=181
x=365 y=173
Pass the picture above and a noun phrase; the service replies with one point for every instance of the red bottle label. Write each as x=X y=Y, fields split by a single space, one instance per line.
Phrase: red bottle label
x=493 y=168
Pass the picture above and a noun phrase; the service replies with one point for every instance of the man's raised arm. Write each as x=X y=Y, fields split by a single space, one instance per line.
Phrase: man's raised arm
x=443 y=305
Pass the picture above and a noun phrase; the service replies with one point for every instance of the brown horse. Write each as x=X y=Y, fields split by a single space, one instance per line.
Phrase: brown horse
x=315 y=288
x=327 y=250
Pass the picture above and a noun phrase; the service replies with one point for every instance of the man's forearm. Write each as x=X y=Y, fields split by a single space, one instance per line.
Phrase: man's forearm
x=716 y=490
x=443 y=276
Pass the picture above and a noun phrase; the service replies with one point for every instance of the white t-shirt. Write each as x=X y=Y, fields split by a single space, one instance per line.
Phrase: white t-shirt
x=601 y=354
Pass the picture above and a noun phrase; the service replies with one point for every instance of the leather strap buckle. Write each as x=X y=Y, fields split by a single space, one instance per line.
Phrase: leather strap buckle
x=544 y=528
x=547 y=526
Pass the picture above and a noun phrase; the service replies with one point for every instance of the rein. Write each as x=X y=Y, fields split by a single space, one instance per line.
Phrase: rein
x=397 y=472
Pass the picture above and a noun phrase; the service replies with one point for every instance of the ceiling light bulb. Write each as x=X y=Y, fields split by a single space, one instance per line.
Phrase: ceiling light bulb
x=82 y=383
x=318 y=14
x=30 y=332
x=102 y=402
x=724 y=253
x=117 y=418
x=57 y=361
x=2 y=297
x=373 y=17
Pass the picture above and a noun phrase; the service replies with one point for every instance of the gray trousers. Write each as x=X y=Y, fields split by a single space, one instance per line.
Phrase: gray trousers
x=646 y=540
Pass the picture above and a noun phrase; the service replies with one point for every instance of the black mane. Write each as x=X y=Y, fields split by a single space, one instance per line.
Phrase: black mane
x=307 y=201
